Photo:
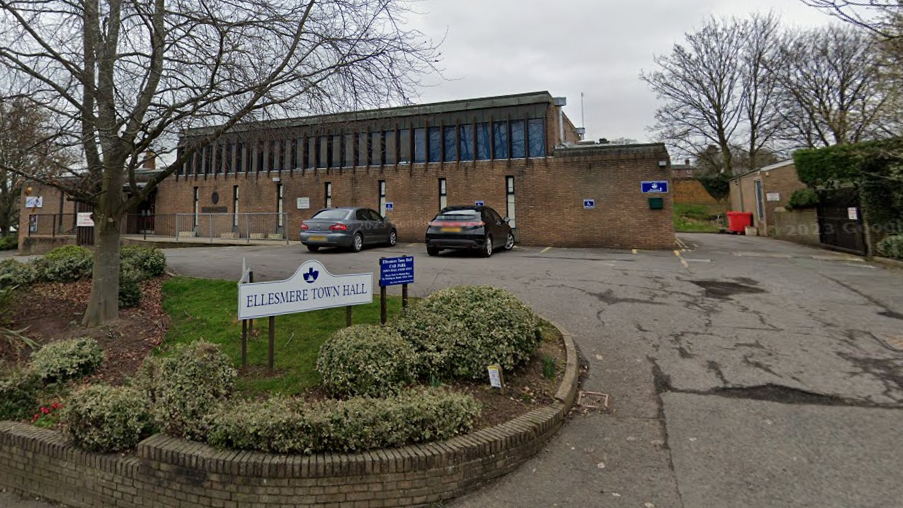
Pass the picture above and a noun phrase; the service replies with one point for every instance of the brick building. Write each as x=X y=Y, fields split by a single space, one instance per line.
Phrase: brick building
x=516 y=153
x=764 y=192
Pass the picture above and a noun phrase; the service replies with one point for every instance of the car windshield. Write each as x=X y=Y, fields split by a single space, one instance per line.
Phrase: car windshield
x=458 y=215
x=332 y=214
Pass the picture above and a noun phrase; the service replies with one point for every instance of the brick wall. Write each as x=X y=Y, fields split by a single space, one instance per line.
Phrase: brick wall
x=782 y=181
x=691 y=192
x=549 y=195
x=800 y=226
x=174 y=473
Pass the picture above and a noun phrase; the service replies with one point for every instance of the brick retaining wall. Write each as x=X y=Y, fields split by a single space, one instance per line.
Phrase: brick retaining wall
x=171 y=472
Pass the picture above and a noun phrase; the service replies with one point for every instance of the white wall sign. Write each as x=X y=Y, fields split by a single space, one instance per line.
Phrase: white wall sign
x=34 y=202
x=853 y=213
x=83 y=220
x=773 y=196
x=312 y=287
x=303 y=203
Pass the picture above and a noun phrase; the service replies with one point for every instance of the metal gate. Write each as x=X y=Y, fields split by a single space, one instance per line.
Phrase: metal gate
x=840 y=221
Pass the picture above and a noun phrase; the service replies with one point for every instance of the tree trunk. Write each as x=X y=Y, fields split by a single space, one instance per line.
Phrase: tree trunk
x=104 y=303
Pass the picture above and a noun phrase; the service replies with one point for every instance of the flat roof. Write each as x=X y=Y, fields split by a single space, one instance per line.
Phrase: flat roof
x=433 y=108
x=788 y=162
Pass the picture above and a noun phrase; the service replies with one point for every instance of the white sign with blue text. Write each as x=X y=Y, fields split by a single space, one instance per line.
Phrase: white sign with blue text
x=395 y=271
x=655 y=187
x=312 y=287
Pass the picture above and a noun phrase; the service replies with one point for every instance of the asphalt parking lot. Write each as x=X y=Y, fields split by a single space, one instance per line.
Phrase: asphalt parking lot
x=742 y=371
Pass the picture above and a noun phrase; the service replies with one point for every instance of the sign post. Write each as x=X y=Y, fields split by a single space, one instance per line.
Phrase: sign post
x=312 y=287
x=392 y=272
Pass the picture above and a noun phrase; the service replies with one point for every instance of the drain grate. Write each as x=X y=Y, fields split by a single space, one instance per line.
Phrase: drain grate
x=594 y=400
x=894 y=342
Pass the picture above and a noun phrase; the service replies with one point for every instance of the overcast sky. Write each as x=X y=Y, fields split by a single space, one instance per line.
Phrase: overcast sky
x=598 y=47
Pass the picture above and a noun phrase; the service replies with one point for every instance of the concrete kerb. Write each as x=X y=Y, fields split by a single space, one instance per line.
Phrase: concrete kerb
x=174 y=472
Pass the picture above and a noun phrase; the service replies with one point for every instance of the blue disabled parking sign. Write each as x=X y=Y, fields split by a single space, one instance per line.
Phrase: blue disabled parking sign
x=479 y=203
x=390 y=206
x=655 y=187
x=589 y=204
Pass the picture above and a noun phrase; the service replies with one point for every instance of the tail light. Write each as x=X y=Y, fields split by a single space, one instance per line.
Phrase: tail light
x=338 y=227
x=304 y=227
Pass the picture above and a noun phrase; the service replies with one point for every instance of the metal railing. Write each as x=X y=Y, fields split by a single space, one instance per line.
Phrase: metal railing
x=177 y=226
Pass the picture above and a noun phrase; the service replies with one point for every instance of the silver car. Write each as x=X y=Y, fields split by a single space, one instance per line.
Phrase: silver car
x=349 y=227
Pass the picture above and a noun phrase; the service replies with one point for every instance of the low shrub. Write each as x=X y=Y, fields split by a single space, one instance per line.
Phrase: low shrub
x=67 y=359
x=460 y=331
x=9 y=242
x=284 y=425
x=65 y=264
x=18 y=393
x=802 y=199
x=366 y=360
x=186 y=386
x=129 y=289
x=891 y=247
x=14 y=273
x=147 y=262
x=108 y=419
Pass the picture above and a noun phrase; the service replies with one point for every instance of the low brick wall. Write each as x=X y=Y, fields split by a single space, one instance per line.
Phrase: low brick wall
x=170 y=472
x=38 y=245
x=799 y=226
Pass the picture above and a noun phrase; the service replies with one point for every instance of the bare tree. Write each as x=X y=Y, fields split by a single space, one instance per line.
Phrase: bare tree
x=831 y=86
x=718 y=90
x=125 y=77
x=26 y=147
x=881 y=17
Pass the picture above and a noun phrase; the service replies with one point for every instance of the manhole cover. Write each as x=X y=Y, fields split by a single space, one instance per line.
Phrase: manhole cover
x=593 y=400
x=894 y=342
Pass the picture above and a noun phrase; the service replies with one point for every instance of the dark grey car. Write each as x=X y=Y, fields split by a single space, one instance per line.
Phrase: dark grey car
x=349 y=227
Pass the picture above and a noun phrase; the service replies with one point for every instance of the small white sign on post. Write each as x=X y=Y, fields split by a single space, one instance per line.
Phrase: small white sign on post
x=303 y=203
x=312 y=287
x=853 y=213
x=495 y=376
x=84 y=220
x=773 y=196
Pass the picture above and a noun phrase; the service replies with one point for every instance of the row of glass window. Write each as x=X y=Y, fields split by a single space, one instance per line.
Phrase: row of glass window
x=515 y=139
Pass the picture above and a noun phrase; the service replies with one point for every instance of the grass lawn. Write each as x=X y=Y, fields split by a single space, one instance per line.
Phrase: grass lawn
x=207 y=309
x=690 y=218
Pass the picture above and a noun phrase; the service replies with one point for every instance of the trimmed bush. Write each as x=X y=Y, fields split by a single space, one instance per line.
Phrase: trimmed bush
x=14 y=273
x=146 y=261
x=18 y=393
x=65 y=264
x=284 y=425
x=802 y=199
x=366 y=360
x=129 y=289
x=9 y=242
x=891 y=247
x=186 y=386
x=67 y=359
x=460 y=331
x=108 y=419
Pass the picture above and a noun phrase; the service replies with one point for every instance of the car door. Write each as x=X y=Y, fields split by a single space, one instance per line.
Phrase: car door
x=380 y=227
x=497 y=226
x=362 y=225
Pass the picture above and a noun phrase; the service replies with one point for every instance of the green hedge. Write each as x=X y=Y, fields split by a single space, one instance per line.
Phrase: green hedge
x=146 y=262
x=458 y=332
x=67 y=359
x=108 y=419
x=14 y=273
x=187 y=386
x=65 y=264
x=284 y=425
x=802 y=199
x=366 y=360
x=18 y=393
x=891 y=247
x=129 y=288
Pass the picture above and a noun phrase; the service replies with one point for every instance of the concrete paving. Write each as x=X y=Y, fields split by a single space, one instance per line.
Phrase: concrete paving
x=697 y=348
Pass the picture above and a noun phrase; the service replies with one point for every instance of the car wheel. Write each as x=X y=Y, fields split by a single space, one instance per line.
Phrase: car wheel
x=393 y=238
x=432 y=251
x=509 y=243
x=486 y=251
x=357 y=243
x=313 y=248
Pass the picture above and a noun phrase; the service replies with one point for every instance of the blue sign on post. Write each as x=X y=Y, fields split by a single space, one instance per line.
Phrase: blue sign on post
x=395 y=271
x=655 y=187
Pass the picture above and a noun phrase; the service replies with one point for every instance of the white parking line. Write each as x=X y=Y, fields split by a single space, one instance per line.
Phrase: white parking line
x=547 y=249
